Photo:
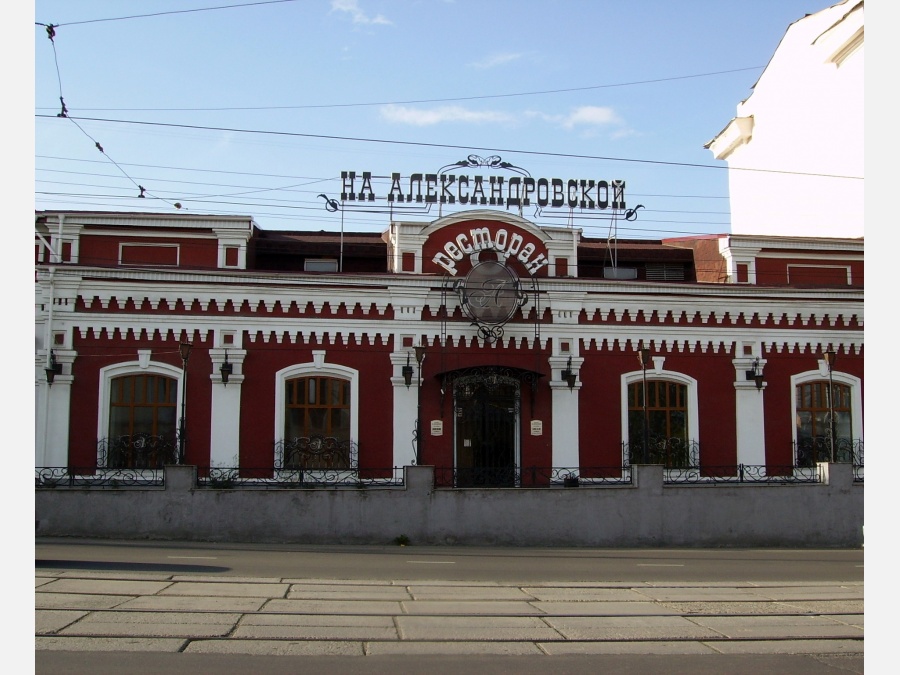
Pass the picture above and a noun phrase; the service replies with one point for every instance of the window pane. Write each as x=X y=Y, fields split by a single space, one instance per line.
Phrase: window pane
x=143 y=420
x=311 y=388
x=119 y=421
x=317 y=421
x=289 y=392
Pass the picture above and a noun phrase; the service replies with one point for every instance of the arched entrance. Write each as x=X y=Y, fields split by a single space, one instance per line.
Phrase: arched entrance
x=486 y=407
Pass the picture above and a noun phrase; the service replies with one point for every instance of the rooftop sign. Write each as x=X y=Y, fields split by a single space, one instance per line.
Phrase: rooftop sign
x=440 y=188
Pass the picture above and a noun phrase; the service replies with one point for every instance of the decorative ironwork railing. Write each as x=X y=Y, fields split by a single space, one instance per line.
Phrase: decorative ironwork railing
x=316 y=452
x=530 y=476
x=92 y=477
x=224 y=478
x=671 y=452
x=743 y=473
x=815 y=449
x=137 y=451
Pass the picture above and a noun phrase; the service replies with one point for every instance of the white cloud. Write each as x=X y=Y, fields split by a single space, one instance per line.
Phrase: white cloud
x=495 y=60
x=422 y=118
x=584 y=117
x=352 y=8
x=590 y=115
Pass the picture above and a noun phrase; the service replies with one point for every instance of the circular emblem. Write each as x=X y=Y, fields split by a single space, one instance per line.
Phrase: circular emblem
x=491 y=294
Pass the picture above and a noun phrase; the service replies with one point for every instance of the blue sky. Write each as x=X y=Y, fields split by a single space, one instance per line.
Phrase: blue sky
x=562 y=88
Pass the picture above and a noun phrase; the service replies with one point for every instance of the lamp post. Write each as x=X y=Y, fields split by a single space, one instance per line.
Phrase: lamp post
x=830 y=357
x=420 y=356
x=184 y=349
x=644 y=358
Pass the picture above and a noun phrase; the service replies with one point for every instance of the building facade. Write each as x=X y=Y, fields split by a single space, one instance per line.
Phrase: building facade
x=795 y=149
x=500 y=352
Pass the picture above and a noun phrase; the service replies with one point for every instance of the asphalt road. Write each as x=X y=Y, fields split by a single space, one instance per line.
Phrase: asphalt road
x=526 y=565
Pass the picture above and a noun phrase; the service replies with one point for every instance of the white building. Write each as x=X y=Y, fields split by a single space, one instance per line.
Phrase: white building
x=795 y=149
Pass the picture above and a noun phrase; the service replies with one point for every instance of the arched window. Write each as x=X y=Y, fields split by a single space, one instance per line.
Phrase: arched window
x=142 y=421
x=316 y=415
x=813 y=420
x=667 y=423
x=317 y=406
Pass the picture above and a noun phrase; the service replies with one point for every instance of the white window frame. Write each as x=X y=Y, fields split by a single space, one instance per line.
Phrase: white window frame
x=108 y=373
x=838 y=377
x=693 y=410
x=317 y=368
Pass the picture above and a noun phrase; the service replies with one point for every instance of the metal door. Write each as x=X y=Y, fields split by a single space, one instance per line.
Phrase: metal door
x=486 y=411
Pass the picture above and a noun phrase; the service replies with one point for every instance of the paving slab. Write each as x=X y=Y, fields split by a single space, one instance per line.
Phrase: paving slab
x=218 y=578
x=276 y=647
x=303 y=627
x=585 y=594
x=591 y=608
x=128 y=575
x=453 y=648
x=837 y=646
x=180 y=603
x=630 y=628
x=235 y=590
x=108 y=644
x=722 y=594
x=482 y=607
x=79 y=600
x=478 y=628
x=40 y=581
x=814 y=593
x=615 y=647
x=348 y=592
x=384 y=607
x=826 y=606
x=153 y=624
x=53 y=620
x=104 y=586
x=420 y=592
x=778 y=627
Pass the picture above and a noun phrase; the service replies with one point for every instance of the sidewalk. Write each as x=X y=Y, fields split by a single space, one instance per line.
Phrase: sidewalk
x=78 y=610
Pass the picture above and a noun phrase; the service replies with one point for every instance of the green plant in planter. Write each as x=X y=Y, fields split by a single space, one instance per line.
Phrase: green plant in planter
x=401 y=540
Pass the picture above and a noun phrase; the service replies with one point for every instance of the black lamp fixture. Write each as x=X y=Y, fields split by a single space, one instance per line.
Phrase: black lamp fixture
x=420 y=356
x=755 y=373
x=830 y=356
x=226 y=369
x=53 y=369
x=644 y=356
x=570 y=377
x=407 y=372
x=184 y=350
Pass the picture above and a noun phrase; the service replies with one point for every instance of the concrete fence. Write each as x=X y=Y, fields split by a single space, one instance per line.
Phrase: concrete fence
x=644 y=514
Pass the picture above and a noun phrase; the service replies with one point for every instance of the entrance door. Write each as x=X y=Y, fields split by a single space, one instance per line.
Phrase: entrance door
x=486 y=409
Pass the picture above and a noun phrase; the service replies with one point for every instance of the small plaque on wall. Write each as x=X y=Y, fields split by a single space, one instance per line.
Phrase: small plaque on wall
x=437 y=427
x=537 y=427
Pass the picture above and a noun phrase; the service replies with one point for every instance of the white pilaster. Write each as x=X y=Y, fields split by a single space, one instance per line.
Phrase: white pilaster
x=225 y=420
x=565 y=413
x=750 y=414
x=405 y=408
x=51 y=446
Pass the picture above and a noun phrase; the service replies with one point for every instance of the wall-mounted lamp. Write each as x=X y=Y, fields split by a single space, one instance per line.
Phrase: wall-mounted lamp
x=407 y=372
x=570 y=377
x=830 y=357
x=756 y=374
x=53 y=369
x=226 y=369
x=644 y=356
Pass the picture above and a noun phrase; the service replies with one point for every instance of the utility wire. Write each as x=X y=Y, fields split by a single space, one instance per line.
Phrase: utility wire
x=178 y=11
x=428 y=100
x=291 y=134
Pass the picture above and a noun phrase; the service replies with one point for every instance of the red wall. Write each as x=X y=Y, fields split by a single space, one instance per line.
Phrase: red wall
x=104 y=251
x=376 y=395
